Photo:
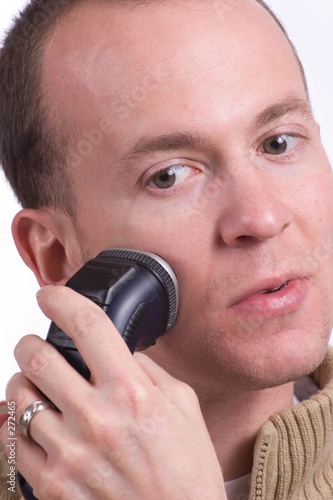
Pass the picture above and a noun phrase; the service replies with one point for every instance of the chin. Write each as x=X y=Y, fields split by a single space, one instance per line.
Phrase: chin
x=289 y=357
x=215 y=360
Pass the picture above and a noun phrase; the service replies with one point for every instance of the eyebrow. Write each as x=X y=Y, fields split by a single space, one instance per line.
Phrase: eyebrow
x=167 y=142
x=290 y=106
x=186 y=140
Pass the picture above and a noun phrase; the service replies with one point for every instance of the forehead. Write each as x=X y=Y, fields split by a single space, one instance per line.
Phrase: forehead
x=125 y=61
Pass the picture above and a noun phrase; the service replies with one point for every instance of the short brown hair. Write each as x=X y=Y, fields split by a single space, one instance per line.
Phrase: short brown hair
x=33 y=148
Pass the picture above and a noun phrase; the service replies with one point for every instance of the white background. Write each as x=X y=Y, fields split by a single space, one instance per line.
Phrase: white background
x=309 y=24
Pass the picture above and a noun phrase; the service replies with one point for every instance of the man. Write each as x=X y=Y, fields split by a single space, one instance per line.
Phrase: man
x=185 y=129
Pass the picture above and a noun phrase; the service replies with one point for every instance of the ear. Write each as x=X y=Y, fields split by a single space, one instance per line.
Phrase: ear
x=48 y=244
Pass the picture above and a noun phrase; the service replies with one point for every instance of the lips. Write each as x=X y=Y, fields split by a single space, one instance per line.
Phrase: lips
x=274 y=290
x=273 y=297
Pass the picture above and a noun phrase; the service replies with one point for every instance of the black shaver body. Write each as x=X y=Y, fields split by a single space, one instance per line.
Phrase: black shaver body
x=139 y=293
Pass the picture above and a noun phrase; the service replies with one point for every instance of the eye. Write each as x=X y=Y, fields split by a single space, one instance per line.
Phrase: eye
x=171 y=176
x=280 y=144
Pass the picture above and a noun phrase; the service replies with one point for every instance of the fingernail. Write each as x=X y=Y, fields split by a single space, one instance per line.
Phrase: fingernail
x=42 y=290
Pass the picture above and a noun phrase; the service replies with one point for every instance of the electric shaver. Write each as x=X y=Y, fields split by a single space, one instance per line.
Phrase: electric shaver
x=139 y=293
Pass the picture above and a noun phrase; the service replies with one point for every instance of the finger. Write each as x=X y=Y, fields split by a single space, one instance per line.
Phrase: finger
x=174 y=391
x=48 y=370
x=45 y=427
x=156 y=373
x=96 y=338
x=28 y=456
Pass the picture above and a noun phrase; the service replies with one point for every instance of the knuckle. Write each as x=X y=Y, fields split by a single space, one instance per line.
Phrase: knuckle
x=92 y=418
x=73 y=458
x=184 y=392
x=20 y=401
x=108 y=431
x=14 y=382
x=48 y=487
x=97 y=425
x=133 y=398
x=39 y=361
x=19 y=393
x=70 y=464
x=85 y=320
x=135 y=395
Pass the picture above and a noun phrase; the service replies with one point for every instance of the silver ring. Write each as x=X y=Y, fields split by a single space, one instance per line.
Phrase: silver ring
x=30 y=412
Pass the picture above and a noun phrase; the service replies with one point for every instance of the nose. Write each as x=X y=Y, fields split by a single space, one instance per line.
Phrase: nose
x=254 y=211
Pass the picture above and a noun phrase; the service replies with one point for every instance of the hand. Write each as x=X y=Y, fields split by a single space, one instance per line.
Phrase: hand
x=132 y=432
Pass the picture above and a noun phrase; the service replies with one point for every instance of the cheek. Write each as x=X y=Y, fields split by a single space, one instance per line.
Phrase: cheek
x=180 y=231
x=311 y=202
x=184 y=238
x=316 y=221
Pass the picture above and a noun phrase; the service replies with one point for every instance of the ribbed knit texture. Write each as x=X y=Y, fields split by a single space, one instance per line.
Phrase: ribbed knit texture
x=293 y=458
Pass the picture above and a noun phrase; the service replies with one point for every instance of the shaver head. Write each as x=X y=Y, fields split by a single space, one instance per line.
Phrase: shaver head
x=155 y=266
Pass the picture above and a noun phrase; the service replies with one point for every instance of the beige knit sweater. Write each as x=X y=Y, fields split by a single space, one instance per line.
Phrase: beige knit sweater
x=293 y=456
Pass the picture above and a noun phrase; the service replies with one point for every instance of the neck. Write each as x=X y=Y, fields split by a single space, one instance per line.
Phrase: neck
x=233 y=424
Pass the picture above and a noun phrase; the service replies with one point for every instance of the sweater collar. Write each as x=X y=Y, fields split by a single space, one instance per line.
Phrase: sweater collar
x=293 y=454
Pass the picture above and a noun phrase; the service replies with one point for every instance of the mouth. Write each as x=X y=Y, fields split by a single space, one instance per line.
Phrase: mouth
x=274 y=290
x=273 y=297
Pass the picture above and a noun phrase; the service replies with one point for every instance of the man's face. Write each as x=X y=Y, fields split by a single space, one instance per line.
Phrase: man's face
x=194 y=140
